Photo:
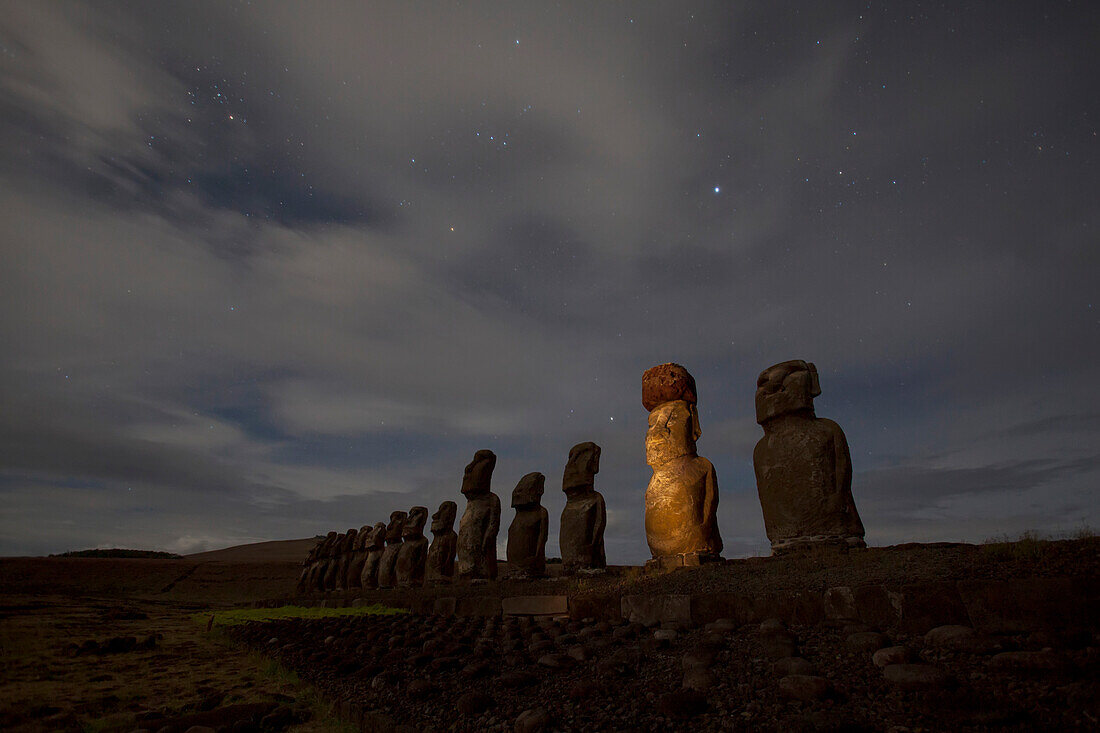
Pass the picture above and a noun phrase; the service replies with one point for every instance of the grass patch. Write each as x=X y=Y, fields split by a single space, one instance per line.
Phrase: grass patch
x=237 y=616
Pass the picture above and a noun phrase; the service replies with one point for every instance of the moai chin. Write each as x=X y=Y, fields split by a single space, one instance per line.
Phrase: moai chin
x=477 y=532
x=376 y=547
x=387 y=566
x=358 y=558
x=802 y=464
x=441 y=554
x=585 y=515
x=414 y=549
x=681 y=501
x=527 y=533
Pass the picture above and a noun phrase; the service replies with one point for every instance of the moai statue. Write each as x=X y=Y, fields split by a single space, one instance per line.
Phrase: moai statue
x=477 y=532
x=307 y=565
x=681 y=501
x=347 y=553
x=316 y=579
x=358 y=558
x=376 y=547
x=332 y=565
x=803 y=468
x=387 y=566
x=585 y=515
x=441 y=555
x=414 y=549
x=527 y=533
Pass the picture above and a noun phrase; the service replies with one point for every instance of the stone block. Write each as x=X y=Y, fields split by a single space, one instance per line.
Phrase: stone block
x=444 y=606
x=1016 y=606
x=535 y=605
x=604 y=608
x=876 y=606
x=708 y=607
x=924 y=606
x=477 y=606
x=840 y=604
x=654 y=609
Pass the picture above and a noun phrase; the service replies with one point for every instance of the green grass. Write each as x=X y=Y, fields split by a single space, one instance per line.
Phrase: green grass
x=236 y=616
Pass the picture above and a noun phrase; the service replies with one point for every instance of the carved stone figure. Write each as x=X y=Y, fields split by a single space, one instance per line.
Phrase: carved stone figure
x=332 y=564
x=803 y=468
x=477 y=532
x=387 y=566
x=681 y=501
x=585 y=515
x=347 y=553
x=358 y=558
x=414 y=549
x=441 y=554
x=316 y=580
x=527 y=533
x=376 y=545
x=307 y=566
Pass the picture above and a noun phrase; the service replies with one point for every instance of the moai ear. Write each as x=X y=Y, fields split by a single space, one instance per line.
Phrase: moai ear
x=696 y=429
x=815 y=383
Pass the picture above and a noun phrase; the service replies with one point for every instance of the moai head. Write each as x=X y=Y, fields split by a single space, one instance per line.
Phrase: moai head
x=581 y=470
x=444 y=519
x=789 y=386
x=377 y=537
x=337 y=545
x=673 y=430
x=528 y=491
x=363 y=540
x=350 y=540
x=327 y=544
x=414 y=524
x=478 y=474
x=397 y=523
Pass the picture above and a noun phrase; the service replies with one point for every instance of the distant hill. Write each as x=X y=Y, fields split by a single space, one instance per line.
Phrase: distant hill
x=116 y=552
x=274 y=551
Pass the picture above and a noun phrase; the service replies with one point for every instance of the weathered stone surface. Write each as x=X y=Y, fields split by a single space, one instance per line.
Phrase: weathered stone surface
x=477 y=606
x=535 y=605
x=892 y=655
x=866 y=641
x=445 y=606
x=665 y=634
x=526 y=550
x=792 y=665
x=375 y=546
x=473 y=703
x=840 y=604
x=387 y=565
x=1016 y=606
x=681 y=500
x=413 y=553
x=684 y=703
x=534 y=720
x=584 y=517
x=779 y=643
x=1041 y=661
x=804 y=687
x=917 y=676
x=923 y=606
x=950 y=636
x=603 y=607
x=477 y=532
x=667 y=383
x=440 y=563
x=654 y=609
x=802 y=464
x=700 y=679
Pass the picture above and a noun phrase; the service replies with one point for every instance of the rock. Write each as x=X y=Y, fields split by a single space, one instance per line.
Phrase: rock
x=419 y=688
x=792 y=666
x=772 y=624
x=516 y=680
x=802 y=464
x=698 y=678
x=534 y=720
x=948 y=636
x=779 y=644
x=804 y=687
x=1041 y=661
x=579 y=653
x=917 y=677
x=698 y=659
x=474 y=703
x=665 y=634
x=721 y=626
x=211 y=701
x=556 y=661
x=866 y=641
x=892 y=655
x=200 y=729
x=682 y=703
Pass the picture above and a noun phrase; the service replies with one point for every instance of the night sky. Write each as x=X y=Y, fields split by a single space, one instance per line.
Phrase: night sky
x=271 y=269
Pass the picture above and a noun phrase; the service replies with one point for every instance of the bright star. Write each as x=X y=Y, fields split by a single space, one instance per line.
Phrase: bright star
x=716 y=189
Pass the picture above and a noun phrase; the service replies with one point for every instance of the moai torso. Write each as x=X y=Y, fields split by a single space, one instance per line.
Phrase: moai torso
x=477 y=532
x=585 y=516
x=387 y=566
x=527 y=533
x=681 y=501
x=414 y=550
x=441 y=554
x=802 y=464
x=375 y=548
